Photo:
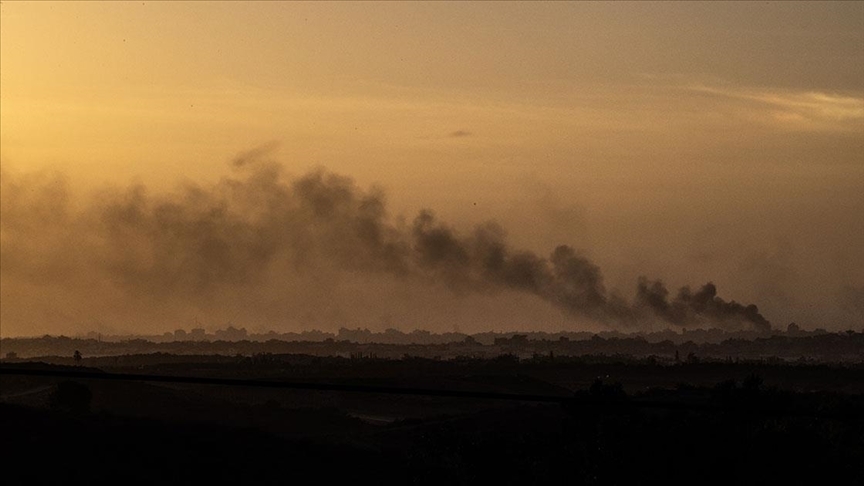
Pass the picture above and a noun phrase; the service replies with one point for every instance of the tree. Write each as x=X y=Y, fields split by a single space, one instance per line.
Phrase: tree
x=77 y=357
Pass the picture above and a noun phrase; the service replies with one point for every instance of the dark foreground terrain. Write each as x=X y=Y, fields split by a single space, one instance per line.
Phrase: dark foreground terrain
x=609 y=422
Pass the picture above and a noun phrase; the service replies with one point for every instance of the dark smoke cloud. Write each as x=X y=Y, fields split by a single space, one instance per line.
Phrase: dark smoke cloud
x=255 y=155
x=689 y=308
x=257 y=227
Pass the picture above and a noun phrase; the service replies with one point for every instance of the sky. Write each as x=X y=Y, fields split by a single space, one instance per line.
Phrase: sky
x=678 y=142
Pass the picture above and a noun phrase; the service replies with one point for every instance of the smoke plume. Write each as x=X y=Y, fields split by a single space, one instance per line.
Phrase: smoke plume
x=257 y=226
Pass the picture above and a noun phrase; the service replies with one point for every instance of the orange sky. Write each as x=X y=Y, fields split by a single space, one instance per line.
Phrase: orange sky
x=686 y=141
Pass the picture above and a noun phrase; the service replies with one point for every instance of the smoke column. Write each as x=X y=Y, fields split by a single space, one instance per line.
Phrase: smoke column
x=256 y=224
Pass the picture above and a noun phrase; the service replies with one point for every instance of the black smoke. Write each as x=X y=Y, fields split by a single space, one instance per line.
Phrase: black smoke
x=701 y=307
x=257 y=226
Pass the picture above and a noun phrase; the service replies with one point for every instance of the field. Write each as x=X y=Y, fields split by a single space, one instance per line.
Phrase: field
x=607 y=420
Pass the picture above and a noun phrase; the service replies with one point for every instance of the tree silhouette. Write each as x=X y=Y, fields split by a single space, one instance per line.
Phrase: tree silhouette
x=77 y=357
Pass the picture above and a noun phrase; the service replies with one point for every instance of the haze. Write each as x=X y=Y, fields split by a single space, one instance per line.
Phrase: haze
x=680 y=142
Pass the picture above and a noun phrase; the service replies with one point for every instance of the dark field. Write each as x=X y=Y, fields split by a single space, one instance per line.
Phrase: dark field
x=615 y=421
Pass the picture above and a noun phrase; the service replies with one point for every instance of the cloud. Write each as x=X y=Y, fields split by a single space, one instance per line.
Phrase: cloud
x=258 y=233
x=460 y=133
x=255 y=154
x=797 y=109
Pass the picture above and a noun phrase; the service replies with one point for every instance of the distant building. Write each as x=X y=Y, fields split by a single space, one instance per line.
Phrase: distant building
x=232 y=334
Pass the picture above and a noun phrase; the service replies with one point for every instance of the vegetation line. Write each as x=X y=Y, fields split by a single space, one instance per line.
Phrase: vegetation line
x=391 y=390
x=594 y=401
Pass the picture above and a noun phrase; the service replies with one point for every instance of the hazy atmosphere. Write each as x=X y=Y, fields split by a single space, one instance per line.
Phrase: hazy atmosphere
x=441 y=166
